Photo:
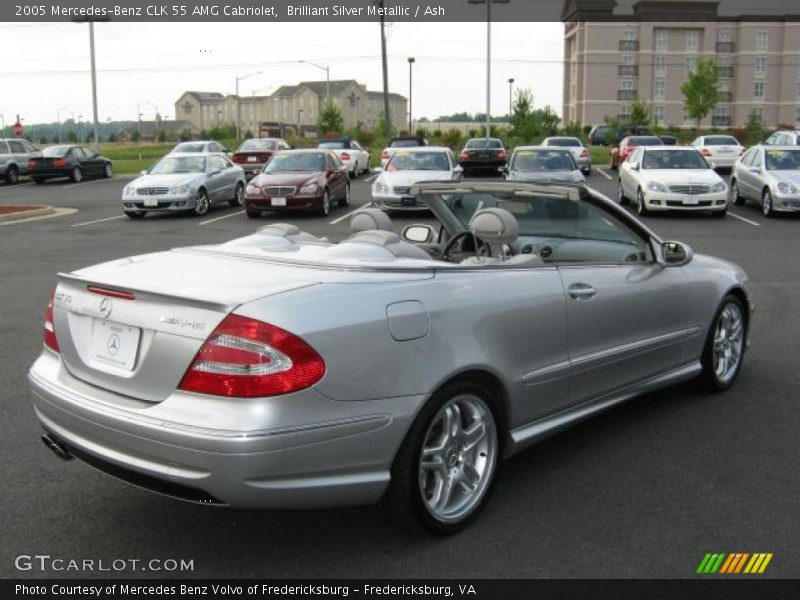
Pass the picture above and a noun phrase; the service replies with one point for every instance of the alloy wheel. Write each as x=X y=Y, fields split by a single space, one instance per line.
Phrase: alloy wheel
x=766 y=203
x=202 y=203
x=326 y=204
x=12 y=176
x=76 y=174
x=641 y=207
x=458 y=458
x=728 y=343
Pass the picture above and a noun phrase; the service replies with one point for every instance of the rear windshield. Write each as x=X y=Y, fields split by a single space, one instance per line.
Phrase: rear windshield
x=783 y=160
x=55 y=151
x=564 y=142
x=481 y=144
x=645 y=140
x=258 y=146
x=404 y=143
x=543 y=160
x=721 y=140
x=673 y=159
x=189 y=147
x=338 y=145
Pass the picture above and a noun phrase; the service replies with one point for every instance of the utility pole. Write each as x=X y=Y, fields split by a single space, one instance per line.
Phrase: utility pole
x=410 y=97
x=91 y=21
x=386 y=116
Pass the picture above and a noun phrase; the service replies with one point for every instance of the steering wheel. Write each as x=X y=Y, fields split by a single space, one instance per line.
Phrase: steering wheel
x=457 y=239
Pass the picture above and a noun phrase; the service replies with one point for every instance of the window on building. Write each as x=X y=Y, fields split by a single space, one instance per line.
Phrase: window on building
x=725 y=35
x=662 y=40
x=762 y=41
x=720 y=111
x=628 y=60
x=658 y=114
x=797 y=91
x=758 y=111
x=629 y=35
x=758 y=90
x=624 y=112
x=687 y=119
x=690 y=65
x=660 y=66
x=760 y=66
x=692 y=39
x=626 y=84
x=660 y=90
x=797 y=115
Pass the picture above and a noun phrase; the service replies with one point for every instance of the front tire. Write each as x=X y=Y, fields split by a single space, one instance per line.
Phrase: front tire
x=108 y=171
x=641 y=206
x=621 y=197
x=76 y=175
x=445 y=470
x=203 y=203
x=238 y=196
x=723 y=353
x=346 y=200
x=12 y=175
x=736 y=197
x=767 y=204
x=326 y=204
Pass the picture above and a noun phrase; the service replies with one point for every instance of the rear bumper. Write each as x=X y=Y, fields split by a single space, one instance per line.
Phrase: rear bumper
x=482 y=164
x=319 y=461
x=50 y=173
x=723 y=162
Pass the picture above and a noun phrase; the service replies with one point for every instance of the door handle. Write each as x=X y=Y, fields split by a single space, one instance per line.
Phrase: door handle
x=581 y=291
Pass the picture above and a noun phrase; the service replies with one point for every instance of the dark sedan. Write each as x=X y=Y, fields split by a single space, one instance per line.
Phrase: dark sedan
x=299 y=180
x=72 y=161
x=254 y=153
x=482 y=154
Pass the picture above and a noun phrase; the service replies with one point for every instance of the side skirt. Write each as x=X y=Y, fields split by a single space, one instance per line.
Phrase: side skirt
x=529 y=434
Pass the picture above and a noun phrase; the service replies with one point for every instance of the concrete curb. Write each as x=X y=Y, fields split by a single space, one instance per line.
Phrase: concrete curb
x=27 y=214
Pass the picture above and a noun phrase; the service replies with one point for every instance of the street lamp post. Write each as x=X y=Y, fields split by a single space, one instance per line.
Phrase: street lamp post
x=510 y=97
x=411 y=61
x=488 y=57
x=239 y=104
x=327 y=70
x=91 y=21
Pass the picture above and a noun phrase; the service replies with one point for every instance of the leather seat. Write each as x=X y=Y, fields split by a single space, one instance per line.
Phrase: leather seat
x=391 y=241
x=498 y=228
x=369 y=219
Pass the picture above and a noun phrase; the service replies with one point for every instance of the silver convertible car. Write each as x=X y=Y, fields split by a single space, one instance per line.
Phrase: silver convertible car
x=290 y=372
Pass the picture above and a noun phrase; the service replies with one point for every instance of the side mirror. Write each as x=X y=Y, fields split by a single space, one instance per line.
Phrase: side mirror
x=675 y=254
x=377 y=170
x=418 y=234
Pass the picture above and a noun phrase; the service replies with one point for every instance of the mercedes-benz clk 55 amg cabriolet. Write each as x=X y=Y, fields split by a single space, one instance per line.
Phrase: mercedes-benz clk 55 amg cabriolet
x=282 y=371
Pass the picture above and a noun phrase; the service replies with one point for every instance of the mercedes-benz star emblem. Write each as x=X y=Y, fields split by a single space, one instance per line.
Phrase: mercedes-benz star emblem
x=113 y=344
x=105 y=307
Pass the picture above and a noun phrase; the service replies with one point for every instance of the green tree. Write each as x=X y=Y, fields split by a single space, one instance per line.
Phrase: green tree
x=162 y=136
x=112 y=138
x=700 y=93
x=72 y=137
x=43 y=139
x=135 y=136
x=640 y=113
x=331 y=119
x=754 y=131
x=529 y=123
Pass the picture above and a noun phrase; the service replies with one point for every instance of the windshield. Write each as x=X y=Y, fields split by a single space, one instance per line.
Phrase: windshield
x=783 y=160
x=301 y=161
x=673 y=159
x=405 y=143
x=179 y=164
x=189 y=147
x=55 y=151
x=418 y=161
x=258 y=146
x=333 y=145
x=542 y=160
x=564 y=142
x=644 y=140
x=481 y=144
x=721 y=140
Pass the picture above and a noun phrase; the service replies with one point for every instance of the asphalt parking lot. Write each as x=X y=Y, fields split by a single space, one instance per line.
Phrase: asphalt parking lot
x=644 y=490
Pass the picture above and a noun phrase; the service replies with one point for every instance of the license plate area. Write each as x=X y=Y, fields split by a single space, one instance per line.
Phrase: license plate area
x=252 y=158
x=114 y=344
x=279 y=201
x=690 y=200
x=149 y=201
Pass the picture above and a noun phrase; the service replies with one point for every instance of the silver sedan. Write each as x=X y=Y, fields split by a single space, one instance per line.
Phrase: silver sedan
x=769 y=176
x=184 y=182
x=279 y=370
x=545 y=165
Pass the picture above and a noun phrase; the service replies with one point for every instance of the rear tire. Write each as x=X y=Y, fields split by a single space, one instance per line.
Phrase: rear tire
x=726 y=342
x=443 y=474
x=736 y=197
x=238 y=196
x=108 y=171
x=346 y=200
x=12 y=175
x=76 y=175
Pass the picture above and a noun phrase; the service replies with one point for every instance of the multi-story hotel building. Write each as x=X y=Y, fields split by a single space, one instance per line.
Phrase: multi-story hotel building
x=609 y=62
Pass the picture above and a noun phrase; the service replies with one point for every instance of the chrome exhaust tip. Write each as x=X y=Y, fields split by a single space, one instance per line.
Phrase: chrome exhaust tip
x=56 y=447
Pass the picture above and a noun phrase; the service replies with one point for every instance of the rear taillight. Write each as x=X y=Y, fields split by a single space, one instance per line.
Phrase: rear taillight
x=31 y=163
x=345 y=156
x=49 y=326
x=237 y=158
x=705 y=151
x=584 y=153
x=501 y=155
x=59 y=162
x=464 y=155
x=246 y=358
x=385 y=155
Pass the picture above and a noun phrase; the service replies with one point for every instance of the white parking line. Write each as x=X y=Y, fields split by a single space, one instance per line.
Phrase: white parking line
x=604 y=174
x=370 y=178
x=735 y=216
x=241 y=212
x=98 y=221
x=344 y=216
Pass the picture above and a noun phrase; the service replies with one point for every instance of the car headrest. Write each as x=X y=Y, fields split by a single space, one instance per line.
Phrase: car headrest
x=368 y=219
x=495 y=225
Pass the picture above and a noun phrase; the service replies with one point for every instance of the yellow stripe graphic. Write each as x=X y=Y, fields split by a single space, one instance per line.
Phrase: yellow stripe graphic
x=765 y=563
x=753 y=564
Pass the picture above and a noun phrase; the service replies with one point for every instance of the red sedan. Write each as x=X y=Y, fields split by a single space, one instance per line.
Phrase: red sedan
x=298 y=180
x=619 y=154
